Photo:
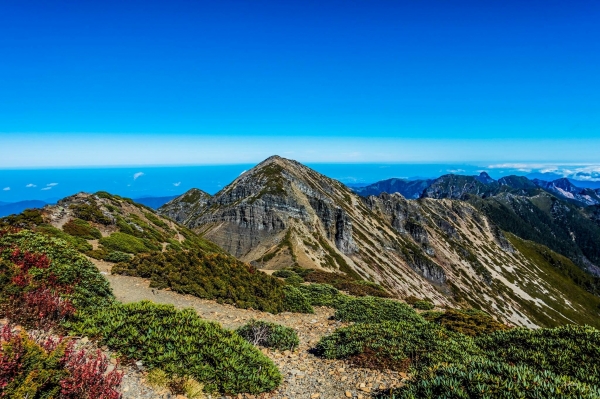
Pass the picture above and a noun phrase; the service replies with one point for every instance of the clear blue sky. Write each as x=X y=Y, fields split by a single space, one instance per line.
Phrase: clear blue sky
x=194 y=82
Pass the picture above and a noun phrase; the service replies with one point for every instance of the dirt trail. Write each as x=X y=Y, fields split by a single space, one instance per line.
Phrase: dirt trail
x=304 y=375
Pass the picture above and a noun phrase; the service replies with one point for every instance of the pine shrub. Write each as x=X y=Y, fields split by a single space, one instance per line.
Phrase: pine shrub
x=396 y=345
x=480 y=378
x=208 y=275
x=295 y=301
x=570 y=350
x=375 y=310
x=269 y=335
x=469 y=321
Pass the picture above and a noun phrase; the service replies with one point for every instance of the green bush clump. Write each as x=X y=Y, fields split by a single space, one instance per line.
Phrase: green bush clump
x=370 y=309
x=81 y=228
x=156 y=220
x=396 y=345
x=182 y=344
x=295 y=301
x=323 y=295
x=29 y=218
x=481 y=378
x=471 y=322
x=423 y=305
x=91 y=290
x=569 y=350
x=294 y=280
x=127 y=243
x=346 y=283
x=269 y=335
x=117 y=256
x=91 y=212
x=208 y=275
x=284 y=273
x=78 y=243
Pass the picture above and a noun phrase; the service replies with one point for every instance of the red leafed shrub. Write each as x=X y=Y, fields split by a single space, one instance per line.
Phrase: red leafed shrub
x=88 y=378
x=52 y=368
x=35 y=303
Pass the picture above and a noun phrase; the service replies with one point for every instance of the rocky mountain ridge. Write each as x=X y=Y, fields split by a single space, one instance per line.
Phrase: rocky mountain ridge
x=282 y=213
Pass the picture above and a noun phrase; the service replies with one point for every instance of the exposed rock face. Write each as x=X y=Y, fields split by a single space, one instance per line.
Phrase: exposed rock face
x=282 y=213
x=181 y=207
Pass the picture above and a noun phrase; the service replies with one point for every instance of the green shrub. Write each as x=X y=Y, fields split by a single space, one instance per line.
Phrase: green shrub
x=81 y=228
x=156 y=220
x=396 y=345
x=29 y=218
x=181 y=344
x=269 y=335
x=469 y=322
x=208 y=275
x=91 y=212
x=117 y=256
x=76 y=242
x=423 y=305
x=375 y=310
x=294 y=280
x=570 y=350
x=482 y=378
x=125 y=243
x=295 y=301
x=346 y=283
x=323 y=295
x=283 y=273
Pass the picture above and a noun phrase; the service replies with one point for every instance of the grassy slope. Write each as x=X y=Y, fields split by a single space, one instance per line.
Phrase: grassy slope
x=585 y=308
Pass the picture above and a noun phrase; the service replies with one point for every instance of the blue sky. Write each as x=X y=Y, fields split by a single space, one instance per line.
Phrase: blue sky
x=183 y=82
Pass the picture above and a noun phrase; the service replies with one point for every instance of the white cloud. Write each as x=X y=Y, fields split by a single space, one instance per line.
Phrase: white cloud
x=177 y=184
x=455 y=170
x=47 y=188
x=573 y=171
x=6 y=189
x=51 y=184
x=244 y=171
x=31 y=185
x=138 y=174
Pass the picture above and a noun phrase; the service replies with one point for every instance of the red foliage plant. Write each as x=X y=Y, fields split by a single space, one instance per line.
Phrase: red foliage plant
x=88 y=376
x=36 y=304
x=81 y=375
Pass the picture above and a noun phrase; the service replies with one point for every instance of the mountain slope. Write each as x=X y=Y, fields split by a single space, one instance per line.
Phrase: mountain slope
x=281 y=213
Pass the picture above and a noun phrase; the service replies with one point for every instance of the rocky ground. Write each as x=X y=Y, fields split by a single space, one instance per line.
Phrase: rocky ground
x=304 y=375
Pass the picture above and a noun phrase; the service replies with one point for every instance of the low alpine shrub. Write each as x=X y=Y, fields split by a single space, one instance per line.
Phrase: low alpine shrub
x=208 y=275
x=181 y=344
x=323 y=295
x=284 y=273
x=469 y=322
x=482 y=378
x=81 y=228
x=570 y=350
x=294 y=280
x=375 y=310
x=127 y=243
x=269 y=335
x=396 y=345
x=117 y=256
x=423 y=305
x=295 y=301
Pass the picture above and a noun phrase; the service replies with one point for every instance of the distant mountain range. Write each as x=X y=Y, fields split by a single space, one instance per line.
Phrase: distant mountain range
x=457 y=186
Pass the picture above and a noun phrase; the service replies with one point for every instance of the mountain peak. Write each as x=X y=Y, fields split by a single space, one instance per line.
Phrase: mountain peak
x=484 y=178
